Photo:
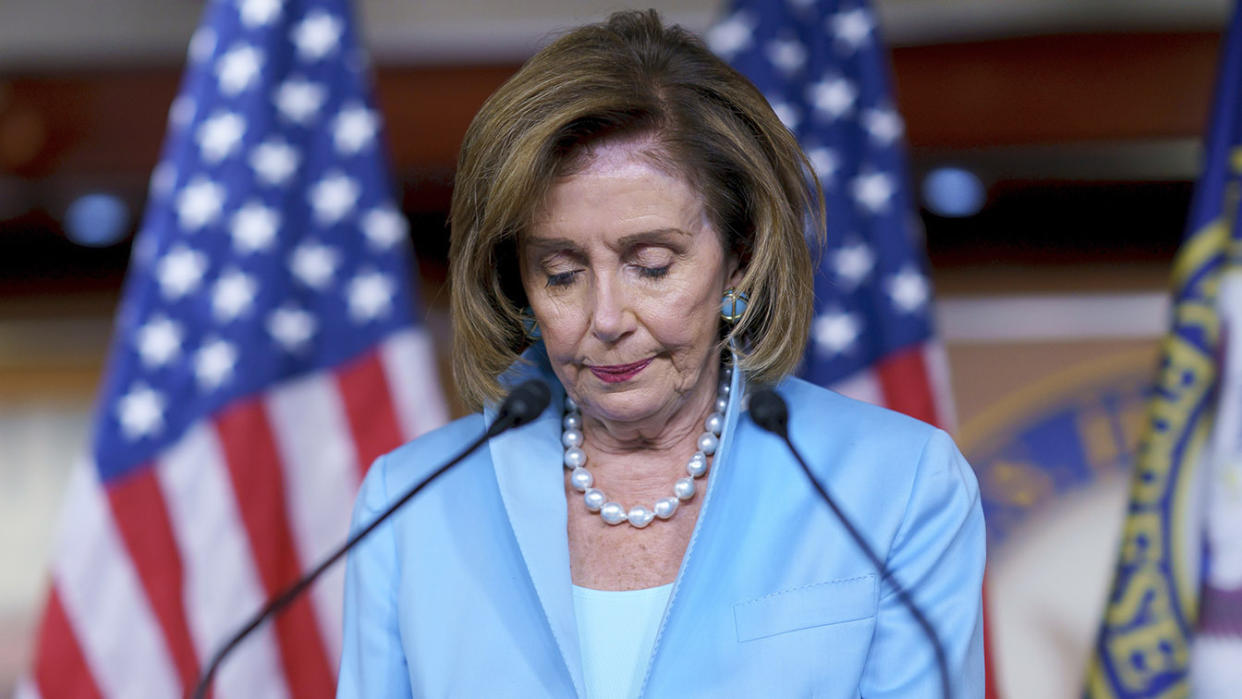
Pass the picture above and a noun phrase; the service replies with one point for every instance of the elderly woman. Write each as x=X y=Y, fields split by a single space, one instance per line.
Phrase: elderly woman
x=628 y=224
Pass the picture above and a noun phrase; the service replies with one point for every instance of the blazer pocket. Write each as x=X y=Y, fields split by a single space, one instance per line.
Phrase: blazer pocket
x=809 y=606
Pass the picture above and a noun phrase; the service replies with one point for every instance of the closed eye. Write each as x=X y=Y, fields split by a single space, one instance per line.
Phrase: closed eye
x=562 y=278
x=653 y=272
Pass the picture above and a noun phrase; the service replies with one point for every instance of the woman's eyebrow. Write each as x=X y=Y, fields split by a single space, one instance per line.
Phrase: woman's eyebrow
x=660 y=235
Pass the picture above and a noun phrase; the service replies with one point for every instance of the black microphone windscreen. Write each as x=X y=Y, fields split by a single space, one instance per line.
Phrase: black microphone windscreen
x=526 y=402
x=768 y=410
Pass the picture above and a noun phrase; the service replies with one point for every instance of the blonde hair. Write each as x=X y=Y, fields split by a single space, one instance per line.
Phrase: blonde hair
x=631 y=76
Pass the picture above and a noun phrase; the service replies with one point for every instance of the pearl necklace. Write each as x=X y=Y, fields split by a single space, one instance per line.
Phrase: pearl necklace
x=639 y=516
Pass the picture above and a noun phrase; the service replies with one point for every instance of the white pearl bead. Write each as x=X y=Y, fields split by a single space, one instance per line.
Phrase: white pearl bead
x=612 y=513
x=724 y=388
x=697 y=465
x=573 y=421
x=722 y=404
x=594 y=499
x=570 y=404
x=726 y=372
x=581 y=479
x=640 y=516
x=665 y=507
x=714 y=423
x=575 y=457
x=684 y=488
x=571 y=438
x=707 y=443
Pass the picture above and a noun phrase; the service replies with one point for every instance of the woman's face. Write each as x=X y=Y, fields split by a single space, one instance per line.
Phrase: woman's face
x=624 y=273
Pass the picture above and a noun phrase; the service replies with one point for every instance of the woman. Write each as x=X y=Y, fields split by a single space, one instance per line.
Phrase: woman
x=628 y=224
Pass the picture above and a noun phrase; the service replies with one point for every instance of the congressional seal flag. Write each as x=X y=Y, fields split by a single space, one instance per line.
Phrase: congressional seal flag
x=1173 y=625
x=824 y=70
x=265 y=352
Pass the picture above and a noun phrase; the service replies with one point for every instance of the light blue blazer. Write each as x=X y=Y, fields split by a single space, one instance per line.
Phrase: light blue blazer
x=466 y=592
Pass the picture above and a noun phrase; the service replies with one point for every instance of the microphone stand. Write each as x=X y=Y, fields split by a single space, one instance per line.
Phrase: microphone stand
x=769 y=412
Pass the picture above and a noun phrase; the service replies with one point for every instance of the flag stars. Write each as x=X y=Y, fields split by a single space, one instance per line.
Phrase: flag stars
x=354 y=129
x=908 y=290
x=163 y=179
x=873 y=191
x=825 y=162
x=202 y=45
x=299 y=100
x=833 y=97
x=220 y=135
x=883 y=125
x=158 y=342
x=313 y=264
x=233 y=295
x=370 y=296
x=732 y=35
x=180 y=272
x=254 y=227
x=141 y=412
x=384 y=227
x=291 y=328
x=333 y=197
x=789 y=55
x=852 y=27
x=259 y=13
x=836 y=332
x=181 y=112
x=199 y=203
x=788 y=114
x=214 y=363
x=852 y=263
x=273 y=162
x=238 y=69
x=317 y=35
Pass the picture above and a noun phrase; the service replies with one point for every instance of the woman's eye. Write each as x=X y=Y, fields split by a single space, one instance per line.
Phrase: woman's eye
x=561 y=278
x=654 y=272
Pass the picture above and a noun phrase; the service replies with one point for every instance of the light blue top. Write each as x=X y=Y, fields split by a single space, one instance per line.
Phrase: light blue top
x=616 y=630
x=467 y=591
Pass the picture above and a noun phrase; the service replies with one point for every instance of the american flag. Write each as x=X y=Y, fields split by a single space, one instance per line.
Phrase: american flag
x=822 y=66
x=265 y=352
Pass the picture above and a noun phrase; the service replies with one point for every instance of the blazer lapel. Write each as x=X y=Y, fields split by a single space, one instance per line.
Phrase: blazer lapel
x=529 y=473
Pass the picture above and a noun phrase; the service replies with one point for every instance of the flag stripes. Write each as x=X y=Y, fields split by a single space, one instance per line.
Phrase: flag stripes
x=252 y=460
x=363 y=384
x=201 y=558
x=318 y=507
x=406 y=356
x=914 y=381
x=60 y=668
x=222 y=587
x=906 y=386
x=142 y=520
x=100 y=592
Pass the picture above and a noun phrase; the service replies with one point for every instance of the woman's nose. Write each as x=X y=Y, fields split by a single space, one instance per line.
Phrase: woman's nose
x=611 y=317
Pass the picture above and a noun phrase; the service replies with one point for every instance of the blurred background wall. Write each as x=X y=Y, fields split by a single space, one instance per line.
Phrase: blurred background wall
x=1054 y=143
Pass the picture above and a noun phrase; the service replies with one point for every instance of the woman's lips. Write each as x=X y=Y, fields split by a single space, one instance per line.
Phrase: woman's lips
x=616 y=373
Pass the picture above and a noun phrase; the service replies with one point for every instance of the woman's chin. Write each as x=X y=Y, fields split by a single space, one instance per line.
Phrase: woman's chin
x=623 y=407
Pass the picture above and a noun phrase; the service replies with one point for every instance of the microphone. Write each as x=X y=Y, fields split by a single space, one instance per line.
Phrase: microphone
x=521 y=406
x=769 y=412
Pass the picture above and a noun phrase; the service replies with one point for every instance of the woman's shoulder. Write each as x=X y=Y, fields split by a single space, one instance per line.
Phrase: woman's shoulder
x=420 y=456
x=828 y=413
x=841 y=430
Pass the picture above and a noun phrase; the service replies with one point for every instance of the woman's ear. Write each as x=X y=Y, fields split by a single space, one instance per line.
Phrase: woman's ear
x=734 y=275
